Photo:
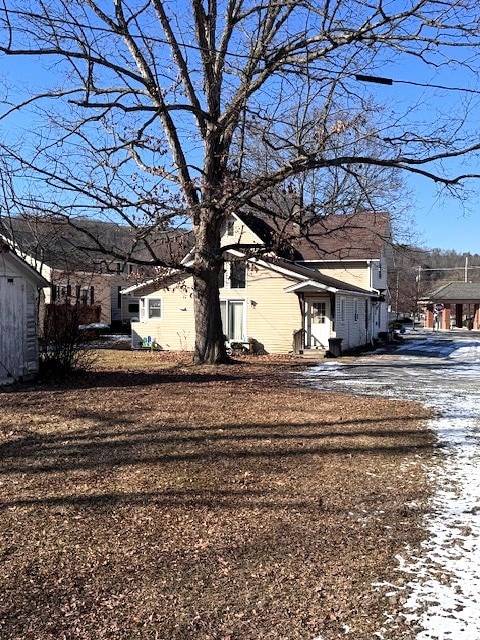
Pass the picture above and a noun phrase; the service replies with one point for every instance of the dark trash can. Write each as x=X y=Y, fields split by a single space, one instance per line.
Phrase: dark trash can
x=335 y=347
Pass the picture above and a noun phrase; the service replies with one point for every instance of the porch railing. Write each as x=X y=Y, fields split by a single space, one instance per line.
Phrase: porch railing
x=298 y=341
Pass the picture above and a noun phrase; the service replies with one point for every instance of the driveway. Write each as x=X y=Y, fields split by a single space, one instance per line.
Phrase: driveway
x=440 y=370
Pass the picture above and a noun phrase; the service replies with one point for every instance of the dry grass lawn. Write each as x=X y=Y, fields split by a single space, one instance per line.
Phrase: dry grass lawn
x=155 y=500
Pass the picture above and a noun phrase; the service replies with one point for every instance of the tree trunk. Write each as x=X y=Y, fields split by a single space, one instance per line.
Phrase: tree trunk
x=209 y=337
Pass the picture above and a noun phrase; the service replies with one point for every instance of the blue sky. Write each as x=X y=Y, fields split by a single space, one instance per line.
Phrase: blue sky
x=445 y=223
x=440 y=222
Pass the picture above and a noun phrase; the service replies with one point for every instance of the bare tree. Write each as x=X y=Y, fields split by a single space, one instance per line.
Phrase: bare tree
x=150 y=107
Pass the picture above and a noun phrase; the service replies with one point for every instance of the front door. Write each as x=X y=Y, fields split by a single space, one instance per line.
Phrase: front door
x=318 y=323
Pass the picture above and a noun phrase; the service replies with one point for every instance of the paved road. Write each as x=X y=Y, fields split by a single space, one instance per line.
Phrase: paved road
x=441 y=370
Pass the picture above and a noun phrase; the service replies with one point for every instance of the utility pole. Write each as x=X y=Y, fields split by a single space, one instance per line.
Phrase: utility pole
x=466 y=268
x=418 y=278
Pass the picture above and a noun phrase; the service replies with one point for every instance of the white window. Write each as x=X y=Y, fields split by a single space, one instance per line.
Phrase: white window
x=233 y=319
x=342 y=310
x=150 y=309
x=154 y=308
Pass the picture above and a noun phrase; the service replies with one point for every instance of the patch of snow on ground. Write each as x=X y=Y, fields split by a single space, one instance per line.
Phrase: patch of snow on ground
x=441 y=371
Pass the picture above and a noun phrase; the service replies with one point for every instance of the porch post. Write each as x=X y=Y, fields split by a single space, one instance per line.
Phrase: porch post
x=445 y=321
x=476 y=318
x=429 y=318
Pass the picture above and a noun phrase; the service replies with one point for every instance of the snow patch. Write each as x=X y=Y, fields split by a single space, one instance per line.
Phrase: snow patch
x=442 y=372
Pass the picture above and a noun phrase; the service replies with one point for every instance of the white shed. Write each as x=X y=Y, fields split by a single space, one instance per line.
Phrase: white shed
x=19 y=291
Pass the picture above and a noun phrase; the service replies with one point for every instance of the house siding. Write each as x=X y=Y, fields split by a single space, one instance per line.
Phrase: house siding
x=356 y=274
x=241 y=235
x=353 y=331
x=32 y=327
x=270 y=315
x=101 y=284
x=18 y=323
x=175 y=330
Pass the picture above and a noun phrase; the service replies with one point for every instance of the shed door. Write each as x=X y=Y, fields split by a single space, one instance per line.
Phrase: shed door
x=12 y=327
x=318 y=323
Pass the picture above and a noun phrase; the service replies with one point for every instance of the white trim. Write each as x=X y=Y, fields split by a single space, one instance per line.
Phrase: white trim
x=302 y=279
x=148 y=283
x=309 y=284
x=30 y=267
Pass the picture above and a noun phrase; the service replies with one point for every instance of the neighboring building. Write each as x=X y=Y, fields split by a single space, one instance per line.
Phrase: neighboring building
x=19 y=295
x=453 y=305
x=78 y=272
x=332 y=287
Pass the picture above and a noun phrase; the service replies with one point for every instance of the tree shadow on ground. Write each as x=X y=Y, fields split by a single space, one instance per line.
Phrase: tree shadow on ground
x=68 y=451
x=105 y=379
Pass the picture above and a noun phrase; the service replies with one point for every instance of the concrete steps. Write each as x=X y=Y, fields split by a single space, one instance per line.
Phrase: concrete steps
x=313 y=354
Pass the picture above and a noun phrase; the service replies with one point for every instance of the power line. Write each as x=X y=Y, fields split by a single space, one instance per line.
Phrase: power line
x=429 y=85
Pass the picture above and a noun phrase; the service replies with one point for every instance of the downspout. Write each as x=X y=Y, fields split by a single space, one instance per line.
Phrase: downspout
x=332 y=310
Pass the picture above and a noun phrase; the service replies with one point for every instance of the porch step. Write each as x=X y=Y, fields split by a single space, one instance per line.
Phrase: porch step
x=313 y=354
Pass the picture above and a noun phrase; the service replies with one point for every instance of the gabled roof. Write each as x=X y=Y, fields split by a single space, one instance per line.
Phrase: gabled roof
x=302 y=275
x=7 y=248
x=456 y=292
x=358 y=236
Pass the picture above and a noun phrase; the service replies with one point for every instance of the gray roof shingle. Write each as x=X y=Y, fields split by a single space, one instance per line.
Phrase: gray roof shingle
x=456 y=292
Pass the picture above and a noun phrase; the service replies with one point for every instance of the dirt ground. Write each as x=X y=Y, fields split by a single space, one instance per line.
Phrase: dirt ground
x=150 y=499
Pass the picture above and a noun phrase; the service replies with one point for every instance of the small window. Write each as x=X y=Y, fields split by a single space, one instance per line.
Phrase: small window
x=63 y=291
x=154 y=308
x=355 y=310
x=238 y=275
x=133 y=307
x=342 y=310
x=318 y=312
x=380 y=269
